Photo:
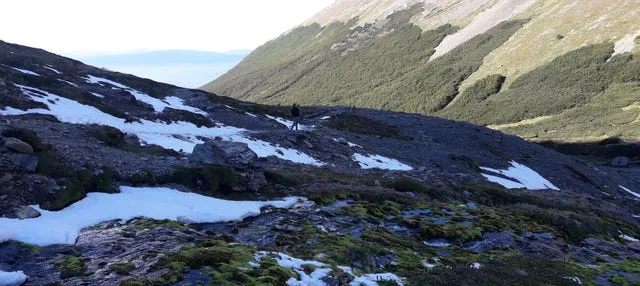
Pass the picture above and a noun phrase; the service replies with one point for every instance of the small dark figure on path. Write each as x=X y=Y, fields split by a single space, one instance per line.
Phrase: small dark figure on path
x=295 y=114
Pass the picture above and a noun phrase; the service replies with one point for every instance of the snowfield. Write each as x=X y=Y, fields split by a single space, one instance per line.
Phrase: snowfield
x=152 y=132
x=63 y=227
x=157 y=104
x=519 y=177
x=322 y=270
x=12 y=278
x=380 y=162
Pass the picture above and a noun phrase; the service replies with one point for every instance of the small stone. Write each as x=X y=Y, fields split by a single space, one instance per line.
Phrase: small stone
x=26 y=212
x=18 y=145
x=27 y=162
x=620 y=162
x=6 y=178
x=3 y=197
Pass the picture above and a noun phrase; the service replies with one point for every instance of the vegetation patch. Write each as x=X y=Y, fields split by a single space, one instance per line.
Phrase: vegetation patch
x=366 y=126
x=208 y=179
x=122 y=268
x=71 y=266
x=27 y=136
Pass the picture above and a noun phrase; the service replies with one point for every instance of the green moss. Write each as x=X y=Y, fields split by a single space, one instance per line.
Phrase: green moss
x=70 y=266
x=122 y=268
x=109 y=135
x=208 y=179
x=406 y=184
x=141 y=224
x=366 y=126
x=77 y=184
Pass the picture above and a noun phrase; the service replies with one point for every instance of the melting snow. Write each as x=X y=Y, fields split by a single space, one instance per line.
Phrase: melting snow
x=12 y=278
x=52 y=69
x=380 y=162
x=630 y=191
x=152 y=132
x=25 y=71
x=628 y=238
x=288 y=123
x=520 y=177
x=322 y=270
x=68 y=82
x=625 y=44
x=63 y=227
x=158 y=104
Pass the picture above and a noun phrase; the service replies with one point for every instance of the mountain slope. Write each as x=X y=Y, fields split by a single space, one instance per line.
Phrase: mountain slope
x=433 y=57
x=111 y=179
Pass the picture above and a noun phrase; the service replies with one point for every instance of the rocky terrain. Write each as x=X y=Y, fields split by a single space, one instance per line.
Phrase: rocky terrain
x=110 y=179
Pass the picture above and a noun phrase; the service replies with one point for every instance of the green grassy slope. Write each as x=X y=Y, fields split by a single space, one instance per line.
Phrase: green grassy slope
x=386 y=65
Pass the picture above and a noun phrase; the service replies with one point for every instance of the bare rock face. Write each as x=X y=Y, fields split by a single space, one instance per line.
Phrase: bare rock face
x=18 y=145
x=27 y=162
x=223 y=152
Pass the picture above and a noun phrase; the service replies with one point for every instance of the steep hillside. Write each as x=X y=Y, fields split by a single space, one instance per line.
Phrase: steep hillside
x=490 y=62
x=110 y=179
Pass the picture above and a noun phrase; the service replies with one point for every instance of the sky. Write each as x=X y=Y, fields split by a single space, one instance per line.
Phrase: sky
x=98 y=32
x=98 y=27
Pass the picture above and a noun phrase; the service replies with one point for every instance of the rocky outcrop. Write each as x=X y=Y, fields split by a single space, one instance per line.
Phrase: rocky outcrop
x=223 y=152
x=18 y=145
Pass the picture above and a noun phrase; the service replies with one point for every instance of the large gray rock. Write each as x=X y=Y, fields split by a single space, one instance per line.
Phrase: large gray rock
x=490 y=241
x=620 y=162
x=18 y=145
x=223 y=152
x=27 y=162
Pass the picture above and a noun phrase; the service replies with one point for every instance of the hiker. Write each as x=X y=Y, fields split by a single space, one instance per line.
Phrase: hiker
x=295 y=113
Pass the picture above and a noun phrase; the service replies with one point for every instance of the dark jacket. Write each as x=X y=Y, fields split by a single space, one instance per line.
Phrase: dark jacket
x=295 y=112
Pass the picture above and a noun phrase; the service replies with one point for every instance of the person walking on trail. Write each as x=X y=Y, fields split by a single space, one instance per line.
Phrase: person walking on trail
x=295 y=114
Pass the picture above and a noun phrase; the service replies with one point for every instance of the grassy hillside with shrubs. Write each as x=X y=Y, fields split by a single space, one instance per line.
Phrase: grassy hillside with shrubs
x=386 y=65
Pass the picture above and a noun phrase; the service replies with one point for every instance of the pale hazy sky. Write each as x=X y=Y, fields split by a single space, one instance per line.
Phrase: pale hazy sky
x=89 y=27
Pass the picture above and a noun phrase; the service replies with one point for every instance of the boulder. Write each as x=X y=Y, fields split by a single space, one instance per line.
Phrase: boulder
x=17 y=145
x=27 y=162
x=490 y=241
x=26 y=212
x=223 y=152
x=620 y=162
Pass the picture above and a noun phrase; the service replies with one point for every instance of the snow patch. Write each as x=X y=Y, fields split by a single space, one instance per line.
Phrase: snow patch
x=158 y=104
x=289 y=123
x=519 y=177
x=12 y=278
x=484 y=21
x=625 y=45
x=97 y=95
x=179 y=136
x=325 y=117
x=630 y=191
x=379 y=162
x=63 y=227
x=52 y=69
x=321 y=271
x=629 y=238
x=437 y=243
x=26 y=71
x=476 y=265
x=68 y=82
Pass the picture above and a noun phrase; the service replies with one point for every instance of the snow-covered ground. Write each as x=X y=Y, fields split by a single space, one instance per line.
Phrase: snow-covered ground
x=322 y=270
x=157 y=104
x=152 y=132
x=26 y=71
x=63 y=227
x=380 y=162
x=630 y=191
x=289 y=123
x=520 y=177
x=12 y=278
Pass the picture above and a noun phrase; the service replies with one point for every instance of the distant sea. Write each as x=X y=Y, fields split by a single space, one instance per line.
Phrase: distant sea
x=184 y=68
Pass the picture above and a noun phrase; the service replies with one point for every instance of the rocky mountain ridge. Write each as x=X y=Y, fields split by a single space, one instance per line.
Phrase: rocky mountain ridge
x=372 y=197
